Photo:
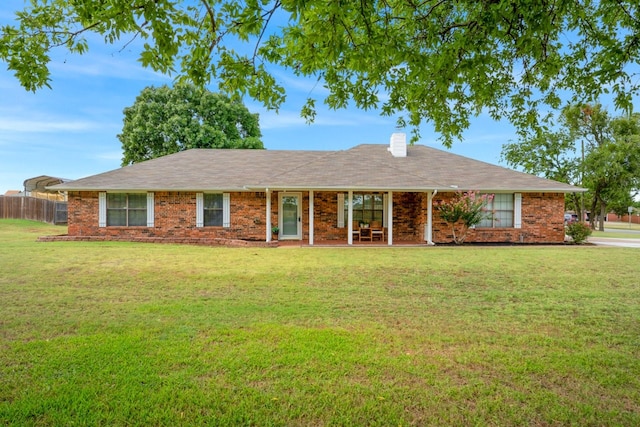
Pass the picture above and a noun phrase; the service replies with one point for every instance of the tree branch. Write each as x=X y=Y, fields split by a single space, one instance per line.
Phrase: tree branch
x=69 y=35
x=212 y=21
x=268 y=15
x=629 y=14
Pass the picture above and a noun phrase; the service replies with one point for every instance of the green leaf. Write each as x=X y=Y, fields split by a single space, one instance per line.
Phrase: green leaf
x=438 y=62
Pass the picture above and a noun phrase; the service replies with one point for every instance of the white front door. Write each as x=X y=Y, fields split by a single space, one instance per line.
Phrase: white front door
x=290 y=216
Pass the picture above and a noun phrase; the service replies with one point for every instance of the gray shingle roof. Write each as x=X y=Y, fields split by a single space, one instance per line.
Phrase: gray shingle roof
x=364 y=167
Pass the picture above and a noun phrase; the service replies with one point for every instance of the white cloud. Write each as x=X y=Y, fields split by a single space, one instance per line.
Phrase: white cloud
x=111 y=155
x=309 y=86
x=479 y=138
x=48 y=125
x=284 y=119
x=104 y=65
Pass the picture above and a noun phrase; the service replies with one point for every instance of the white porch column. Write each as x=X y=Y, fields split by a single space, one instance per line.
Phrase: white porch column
x=429 y=236
x=268 y=221
x=310 y=217
x=390 y=222
x=349 y=218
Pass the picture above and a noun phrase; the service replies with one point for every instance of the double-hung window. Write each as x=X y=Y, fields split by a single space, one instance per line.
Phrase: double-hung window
x=212 y=206
x=126 y=210
x=500 y=212
x=213 y=210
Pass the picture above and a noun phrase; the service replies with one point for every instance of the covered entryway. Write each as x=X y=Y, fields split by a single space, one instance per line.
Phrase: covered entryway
x=290 y=216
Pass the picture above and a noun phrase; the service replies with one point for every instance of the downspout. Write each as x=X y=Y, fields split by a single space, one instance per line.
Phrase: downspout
x=311 y=224
x=268 y=221
x=350 y=218
x=390 y=221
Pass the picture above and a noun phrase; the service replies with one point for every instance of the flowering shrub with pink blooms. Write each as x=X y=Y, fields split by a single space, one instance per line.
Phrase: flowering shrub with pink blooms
x=464 y=210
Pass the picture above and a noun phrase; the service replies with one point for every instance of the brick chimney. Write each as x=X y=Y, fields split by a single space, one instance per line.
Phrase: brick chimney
x=398 y=145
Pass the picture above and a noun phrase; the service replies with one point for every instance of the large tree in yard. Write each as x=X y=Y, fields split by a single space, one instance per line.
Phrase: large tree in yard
x=437 y=61
x=610 y=148
x=612 y=168
x=551 y=154
x=166 y=120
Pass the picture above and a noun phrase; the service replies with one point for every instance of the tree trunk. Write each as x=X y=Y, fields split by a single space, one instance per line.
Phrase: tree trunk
x=575 y=201
x=592 y=216
x=603 y=213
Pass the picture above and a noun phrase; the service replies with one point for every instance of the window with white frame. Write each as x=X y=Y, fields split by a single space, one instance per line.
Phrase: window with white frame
x=126 y=210
x=212 y=206
x=366 y=207
x=500 y=212
x=213 y=210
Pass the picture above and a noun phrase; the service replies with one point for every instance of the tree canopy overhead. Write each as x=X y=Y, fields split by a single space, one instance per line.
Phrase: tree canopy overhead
x=166 y=120
x=434 y=60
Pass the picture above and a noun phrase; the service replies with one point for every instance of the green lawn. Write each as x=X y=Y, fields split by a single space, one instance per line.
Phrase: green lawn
x=167 y=335
x=622 y=225
x=615 y=234
x=623 y=230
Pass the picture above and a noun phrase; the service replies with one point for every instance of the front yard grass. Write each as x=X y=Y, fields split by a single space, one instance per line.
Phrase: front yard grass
x=169 y=335
x=621 y=225
x=615 y=234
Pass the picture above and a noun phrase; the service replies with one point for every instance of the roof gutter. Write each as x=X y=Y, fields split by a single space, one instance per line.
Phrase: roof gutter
x=442 y=189
x=436 y=188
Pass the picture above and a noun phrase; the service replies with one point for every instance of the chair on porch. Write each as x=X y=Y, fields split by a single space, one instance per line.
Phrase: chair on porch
x=377 y=230
x=356 y=230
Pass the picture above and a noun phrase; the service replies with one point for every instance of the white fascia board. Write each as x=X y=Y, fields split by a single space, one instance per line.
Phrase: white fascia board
x=149 y=189
x=261 y=188
x=337 y=188
x=511 y=190
x=441 y=189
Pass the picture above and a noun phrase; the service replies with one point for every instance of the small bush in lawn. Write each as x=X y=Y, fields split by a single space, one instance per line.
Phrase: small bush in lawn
x=578 y=231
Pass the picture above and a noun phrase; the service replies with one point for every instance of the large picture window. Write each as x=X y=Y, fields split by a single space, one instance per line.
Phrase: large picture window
x=502 y=212
x=366 y=207
x=126 y=210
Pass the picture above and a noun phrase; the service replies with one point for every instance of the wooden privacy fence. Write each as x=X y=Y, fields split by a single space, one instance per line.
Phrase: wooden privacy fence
x=43 y=210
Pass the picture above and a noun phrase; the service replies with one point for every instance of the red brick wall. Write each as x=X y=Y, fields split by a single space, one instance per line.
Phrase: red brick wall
x=82 y=213
x=407 y=217
x=635 y=218
x=325 y=217
x=542 y=222
x=175 y=216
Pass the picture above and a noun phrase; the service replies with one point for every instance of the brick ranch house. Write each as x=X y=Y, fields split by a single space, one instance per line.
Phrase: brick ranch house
x=213 y=196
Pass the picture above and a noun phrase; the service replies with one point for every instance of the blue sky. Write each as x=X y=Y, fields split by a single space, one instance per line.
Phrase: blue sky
x=69 y=131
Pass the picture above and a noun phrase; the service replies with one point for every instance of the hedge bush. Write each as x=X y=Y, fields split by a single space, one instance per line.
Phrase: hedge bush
x=578 y=231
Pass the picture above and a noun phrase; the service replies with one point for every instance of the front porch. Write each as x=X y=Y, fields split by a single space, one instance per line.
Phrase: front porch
x=354 y=217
